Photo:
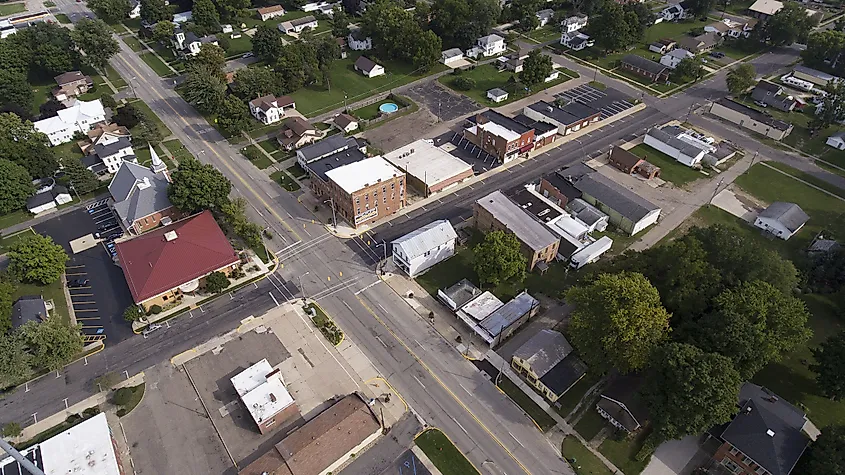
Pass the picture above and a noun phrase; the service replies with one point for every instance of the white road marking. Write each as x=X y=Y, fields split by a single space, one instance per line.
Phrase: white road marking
x=367 y=287
x=421 y=384
x=274 y=298
x=462 y=427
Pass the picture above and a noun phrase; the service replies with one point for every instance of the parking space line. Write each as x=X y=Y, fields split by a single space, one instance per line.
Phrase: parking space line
x=81 y=295
x=88 y=318
x=98 y=326
x=84 y=302
x=76 y=273
x=74 y=267
x=87 y=310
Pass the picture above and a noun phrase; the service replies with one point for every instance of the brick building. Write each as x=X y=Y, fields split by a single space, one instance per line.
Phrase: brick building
x=499 y=135
x=262 y=390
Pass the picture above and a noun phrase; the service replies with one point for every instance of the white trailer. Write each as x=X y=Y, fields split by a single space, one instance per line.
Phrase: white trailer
x=590 y=253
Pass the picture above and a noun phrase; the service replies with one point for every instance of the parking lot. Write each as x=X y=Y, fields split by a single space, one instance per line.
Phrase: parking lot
x=455 y=143
x=442 y=103
x=97 y=287
x=609 y=101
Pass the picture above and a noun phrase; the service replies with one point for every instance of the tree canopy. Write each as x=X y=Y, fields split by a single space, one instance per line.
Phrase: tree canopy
x=15 y=186
x=216 y=282
x=94 y=39
x=618 y=321
x=154 y=11
x=7 y=291
x=51 y=342
x=52 y=49
x=233 y=116
x=196 y=186
x=740 y=78
x=399 y=35
x=36 y=259
x=15 y=89
x=267 y=43
x=832 y=108
x=825 y=456
x=824 y=50
x=689 y=69
x=110 y=10
x=204 y=88
x=460 y=22
x=22 y=144
x=536 y=68
x=163 y=31
x=251 y=83
x=790 y=24
x=498 y=258
x=80 y=178
x=205 y=17
x=15 y=360
x=830 y=367
x=614 y=28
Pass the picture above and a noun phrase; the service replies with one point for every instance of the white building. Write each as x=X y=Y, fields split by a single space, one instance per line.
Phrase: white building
x=183 y=17
x=452 y=55
x=188 y=44
x=574 y=23
x=489 y=45
x=497 y=95
x=82 y=116
x=676 y=12
x=429 y=169
x=112 y=151
x=135 y=11
x=684 y=146
x=837 y=141
x=576 y=41
x=782 y=219
x=357 y=41
x=419 y=250
x=544 y=17
x=673 y=58
x=273 y=11
x=591 y=252
x=325 y=7
x=47 y=199
x=368 y=67
x=262 y=390
x=271 y=109
x=298 y=25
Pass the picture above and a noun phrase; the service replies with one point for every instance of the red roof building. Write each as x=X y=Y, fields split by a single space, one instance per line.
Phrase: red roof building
x=161 y=265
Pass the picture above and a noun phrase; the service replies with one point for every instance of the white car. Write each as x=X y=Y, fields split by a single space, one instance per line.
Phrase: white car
x=151 y=328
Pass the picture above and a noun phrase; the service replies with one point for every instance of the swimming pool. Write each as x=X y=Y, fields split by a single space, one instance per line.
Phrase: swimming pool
x=388 y=108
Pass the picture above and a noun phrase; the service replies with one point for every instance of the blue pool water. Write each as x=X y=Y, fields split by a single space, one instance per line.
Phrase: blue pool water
x=388 y=108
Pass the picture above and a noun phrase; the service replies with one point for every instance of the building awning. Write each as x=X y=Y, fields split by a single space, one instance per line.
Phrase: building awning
x=526 y=148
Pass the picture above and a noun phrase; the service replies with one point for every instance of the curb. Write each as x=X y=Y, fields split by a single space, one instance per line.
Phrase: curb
x=342 y=333
x=407 y=408
x=435 y=428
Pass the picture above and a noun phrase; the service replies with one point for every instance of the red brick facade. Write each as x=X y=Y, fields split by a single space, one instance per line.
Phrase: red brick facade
x=366 y=205
x=272 y=423
x=152 y=221
x=550 y=191
x=736 y=462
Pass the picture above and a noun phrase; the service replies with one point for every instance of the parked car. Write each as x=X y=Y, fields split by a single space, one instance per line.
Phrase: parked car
x=77 y=283
x=761 y=104
x=248 y=54
x=717 y=54
x=151 y=328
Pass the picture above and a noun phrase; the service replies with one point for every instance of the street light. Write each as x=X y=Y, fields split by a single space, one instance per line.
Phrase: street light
x=304 y=298
x=384 y=245
x=334 y=216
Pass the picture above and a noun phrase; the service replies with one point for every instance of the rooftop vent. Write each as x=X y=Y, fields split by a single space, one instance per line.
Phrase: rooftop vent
x=770 y=433
x=272 y=397
x=170 y=236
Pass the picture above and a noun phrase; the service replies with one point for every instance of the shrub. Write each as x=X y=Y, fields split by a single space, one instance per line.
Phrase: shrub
x=12 y=429
x=122 y=396
x=108 y=101
x=216 y=282
x=462 y=83
x=73 y=418
x=132 y=313
x=91 y=411
x=155 y=309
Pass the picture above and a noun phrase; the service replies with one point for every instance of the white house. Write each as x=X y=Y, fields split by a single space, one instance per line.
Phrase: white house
x=419 y=250
x=782 y=219
x=113 y=150
x=273 y=11
x=673 y=58
x=368 y=67
x=298 y=25
x=271 y=109
x=326 y=8
x=183 y=17
x=553 y=76
x=135 y=9
x=188 y=44
x=837 y=140
x=576 y=41
x=47 y=199
x=450 y=56
x=497 y=95
x=226 y=28
x=574 y=23
x=346 y=123
x=676 y=12
x=79 y=117
x=357 y=41
x=544 y=17
x=679 y=144
x=489 y=45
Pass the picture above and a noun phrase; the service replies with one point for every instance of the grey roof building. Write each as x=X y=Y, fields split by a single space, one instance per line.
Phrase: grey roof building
x=323 y=148
x=527 y=229
x=548 y=357
x=138 y=192
x=28 y=308
x=621 y=200
x=790 y=215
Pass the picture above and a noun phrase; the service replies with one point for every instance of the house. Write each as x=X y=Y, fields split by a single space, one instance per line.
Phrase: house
x=48 y=199
x=322 y=6
x=548 y=363
x=703 y=43
x=419 y=250
x=358 y=41
x=553 y=76
x=499 y=135
x=719 y=28
x=496 y=212
x=502 y=322
x=662 y=46
x=162 y=265
x=673 y=58
x=740 y=29
x=574 y=23
x=273 y=11
x=772 y=95
x=632 y=164
x=102 y=133
x=297 y=132
x=768 y=435
x=837 y=140
x=112 y=151
x=545 y=16
x=497 y=95
x=646 y=68
x=135 y=9
x=262 y=391
x=782 y=219
x=271 y=109
x=183 y=17
x=764 y=9
x=71 y=84
x=512 y=62
x=621 y=405
x=677 y=12
x=814 y=76
x=489 y=45
x=576 y=41
x=823 y=245
x=429 y=168
x=140 y=195
x=751 y=119
x=681 y=144
x=568 y=116
x=81 y=117
x=346 y=123
x=368 y=67
x=225 y=28
x=29 y=308
x=298 y=25
x=324 y=444
x=328 y=146
x=450 y=56
x=188 y=44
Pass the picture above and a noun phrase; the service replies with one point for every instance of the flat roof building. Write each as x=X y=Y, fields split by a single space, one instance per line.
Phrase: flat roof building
x=429 y=168
x=750 y=119
x=499 y=135
x=506 y=319
x=262 y=390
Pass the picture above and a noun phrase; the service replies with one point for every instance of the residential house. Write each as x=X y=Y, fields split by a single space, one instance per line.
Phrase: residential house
x=673 y=58
x=512 y=62
x=71 y=84
x=323 y=6
x=837 y=140
x=297 y=132
x=81 y=117
x=632 y=164
x=271 y=109
x=782 y=219
x=429 y=169
x=814 y=76
x=163 y=265
x=489 y=45
x=767 y=436
x=646 y=68
x=272 y=11
x=496 y=212
x=134 y=9
x=764 y=9
x=368 y=67
x=499 y=135
x=262 y=391
x=662 y=46
x=576 y=41
x=102 y=133
x=298 y=25
x=226 y=28
x=419 y=250
x=772 y=95
x=549 y=364
x=684 y=146
x=751 y=119
x=48 y=199
x=544 y=17
x=553 y=76
x=568 y=117
x=28 y=308
x=717 y=27
x=574 y=23
x=676 y=12
x=183 y=17
x=358 y=41
x=497 y=95
x=505 y=320
x=451 y=56
x=620 y=403
x=703 y=43
x=188 y=44
x=328 y=146
x=140 y=195
x=112 y=151
x=740 y=29
x=346 y=123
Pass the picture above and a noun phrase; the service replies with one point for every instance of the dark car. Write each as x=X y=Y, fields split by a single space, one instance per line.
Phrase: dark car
x=77 y=283
x=717 y=54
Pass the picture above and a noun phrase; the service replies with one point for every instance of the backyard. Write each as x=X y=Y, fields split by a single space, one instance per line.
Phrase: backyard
x=487 y=77
x=371 y=111
x=670 y=169
x=12 y=8
x=621 y=451
x=443 y=453
x=580 y=459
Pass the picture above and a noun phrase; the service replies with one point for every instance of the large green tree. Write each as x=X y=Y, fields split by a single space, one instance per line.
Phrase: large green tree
x=15 y=186
x=163 y=31
x=498 y=258
x=536 y=68
x=196 y=186
x=212 y=57
x=94 y=39
x=15 y=360
x=22 y=144
x=687 y=391
x=790 y=24
x=618 y=321
x=15 y=54
x=832 y=108
x=251 y=83
x=399 y=34
x=689 y=69
x=340 y=23
x=824 y=49
x=235 y=213
x=216 y=282
x=36 y=259
x=267 y=43
x=460 y=22
x=825 y=456
x=205 y=17
x=154 y=11
x=7 y=291
x=79 y=177
x=232 y=9
x=830 y=366
x=740 y=78
x=15 y=89
x=112 y=11
x=53 y=49
x=613 y=29
x=204 y=88
x=233 y=116
x=52 y=343
x=700 y=8
x=427 y=50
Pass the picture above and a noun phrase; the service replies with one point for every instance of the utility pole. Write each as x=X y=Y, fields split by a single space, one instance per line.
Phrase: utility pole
x=721 y=180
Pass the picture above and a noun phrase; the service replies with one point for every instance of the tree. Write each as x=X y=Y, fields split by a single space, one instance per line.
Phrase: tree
x=195 y=186
x=211 y=56
x=15 y=89
x=588 y=7
x=15 y=186
x=14 y=359
x=340 y=23
x=826 y=456
x=427 y=52
x=216 y=282
x=740 y=78
x=22 y=144
x=235 y=213
x=460 y=22
x=251 y=83
x=790 y=24
x=51 y=342
x=463 y=83
x=688 y=69
x=611 y=28
x=267 y=43
x=52 y=48
x=824 y=49
x=687 y=391
x=645 y=17
x=36 y=259
x=618 y=321
x=108 y=101
x=133 y=313
x=146 y=132
x=163 y=31
x=233 y=116
x=80 y=178
x=15 y=54
x=128 y=116
x=830 y=366
x=50 y=108
x=94 y=39
x=112 y=11
x=205 y=16
x=7 y=291
x=232 y=9
x=204 y=89
x=498 y=258
x=700 y=8
x=536 y=68
x=832 y=108
x=154 y=11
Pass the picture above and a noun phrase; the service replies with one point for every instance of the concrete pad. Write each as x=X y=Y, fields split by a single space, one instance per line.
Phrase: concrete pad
x=671 y=457
x=736 y=205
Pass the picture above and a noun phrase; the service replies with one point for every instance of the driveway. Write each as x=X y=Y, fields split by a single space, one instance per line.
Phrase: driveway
x=738 y=204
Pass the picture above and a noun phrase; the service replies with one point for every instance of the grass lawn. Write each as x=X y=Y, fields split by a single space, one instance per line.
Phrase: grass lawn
x=670 y=169
x=179 y=153
x=270 y=145
x=738 y=7
x=315 y=99
x=297 y=172
x=590 y=424
x=443 y=453
x=669 y=29
x=256 y=156
x=580 y=459
x=571 y=398
x=143 y=154
x=7 y=241
x=41 y=94
x=54 y=292
x=133 y=43
x=12 y=8
x=156 y=64
x=62 y=18
x=15 y=217
x=115 y=78
x=141 y=105
x=371 y=111
x=621 y=239
x=239 y=46
x=547 y=33
x=622 y=452
x=285 y=181
x=809 y=178
x=535 y=412
x=487 y=77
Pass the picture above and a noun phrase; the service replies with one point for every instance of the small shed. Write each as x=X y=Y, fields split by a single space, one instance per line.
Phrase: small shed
x=497 y=95
x=836 y=141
